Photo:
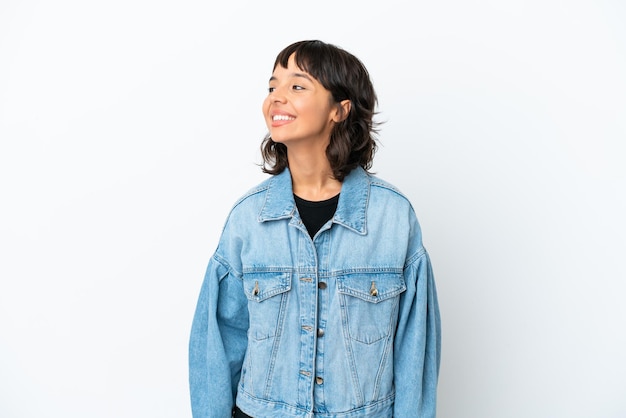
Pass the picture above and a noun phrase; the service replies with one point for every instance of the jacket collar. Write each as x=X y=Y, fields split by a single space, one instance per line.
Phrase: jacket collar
x=351 y=208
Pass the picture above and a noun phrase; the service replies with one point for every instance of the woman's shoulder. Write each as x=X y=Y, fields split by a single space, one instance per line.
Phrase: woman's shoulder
x=376 y=181
x=253 y=193
x=389 y=190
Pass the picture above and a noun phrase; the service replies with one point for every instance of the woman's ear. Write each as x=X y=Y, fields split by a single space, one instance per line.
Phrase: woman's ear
x=343 y=110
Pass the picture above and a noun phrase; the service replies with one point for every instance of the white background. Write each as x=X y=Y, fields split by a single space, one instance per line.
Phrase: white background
x=128 y=129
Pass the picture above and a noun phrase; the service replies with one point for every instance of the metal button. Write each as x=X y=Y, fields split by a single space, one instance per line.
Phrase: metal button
x=321 y=285
x=319 y=380
x=320 y=332
x=374 y=290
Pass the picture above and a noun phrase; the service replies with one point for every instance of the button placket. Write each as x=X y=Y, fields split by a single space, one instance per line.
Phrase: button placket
x=321 y=286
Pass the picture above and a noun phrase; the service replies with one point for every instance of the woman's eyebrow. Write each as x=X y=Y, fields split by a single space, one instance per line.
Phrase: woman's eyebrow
x=302 y=75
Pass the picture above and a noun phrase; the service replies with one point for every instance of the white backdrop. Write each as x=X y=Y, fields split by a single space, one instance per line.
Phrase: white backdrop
x=128 y=129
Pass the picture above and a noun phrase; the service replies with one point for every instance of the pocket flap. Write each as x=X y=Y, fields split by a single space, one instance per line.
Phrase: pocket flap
x=261 y=286
x=371 y=287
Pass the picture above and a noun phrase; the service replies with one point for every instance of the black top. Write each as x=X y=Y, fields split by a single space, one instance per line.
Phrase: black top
x=237 y=413
x=316 y=214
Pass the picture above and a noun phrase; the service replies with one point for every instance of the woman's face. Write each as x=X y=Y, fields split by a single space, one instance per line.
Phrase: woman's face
x=298 y=109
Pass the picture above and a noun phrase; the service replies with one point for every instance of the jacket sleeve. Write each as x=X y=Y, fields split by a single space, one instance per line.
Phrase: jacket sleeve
x=417 y=346
x=218 y=342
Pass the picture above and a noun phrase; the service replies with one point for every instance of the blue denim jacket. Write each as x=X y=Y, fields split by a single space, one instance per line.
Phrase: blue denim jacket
x=342 y=325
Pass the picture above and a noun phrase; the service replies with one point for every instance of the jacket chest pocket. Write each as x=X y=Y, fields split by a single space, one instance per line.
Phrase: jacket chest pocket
x=369 y=304
x=267 y=294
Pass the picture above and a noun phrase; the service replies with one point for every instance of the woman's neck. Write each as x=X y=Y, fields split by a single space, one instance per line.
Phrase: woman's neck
x=312 y=177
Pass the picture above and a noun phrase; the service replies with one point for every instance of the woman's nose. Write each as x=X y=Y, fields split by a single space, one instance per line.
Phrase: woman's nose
x=277 y=95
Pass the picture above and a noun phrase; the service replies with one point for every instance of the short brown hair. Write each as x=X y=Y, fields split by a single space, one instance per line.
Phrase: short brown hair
x=352 y=141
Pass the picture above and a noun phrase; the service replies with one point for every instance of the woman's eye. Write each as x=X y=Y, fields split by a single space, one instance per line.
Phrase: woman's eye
x=271 y=89
x=296 y=87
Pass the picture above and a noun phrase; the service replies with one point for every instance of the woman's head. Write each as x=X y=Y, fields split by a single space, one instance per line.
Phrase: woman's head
x=352 y=141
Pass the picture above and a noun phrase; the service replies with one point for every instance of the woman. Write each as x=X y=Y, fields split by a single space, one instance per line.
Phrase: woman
x=319 y=300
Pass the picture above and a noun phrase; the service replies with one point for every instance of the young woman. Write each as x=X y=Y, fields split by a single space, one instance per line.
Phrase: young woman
x=319 y=300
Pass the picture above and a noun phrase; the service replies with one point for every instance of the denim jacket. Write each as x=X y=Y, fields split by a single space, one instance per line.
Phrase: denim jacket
x=342 y=325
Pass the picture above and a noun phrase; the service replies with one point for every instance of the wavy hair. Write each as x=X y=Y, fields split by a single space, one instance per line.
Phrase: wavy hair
x=353 y=140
